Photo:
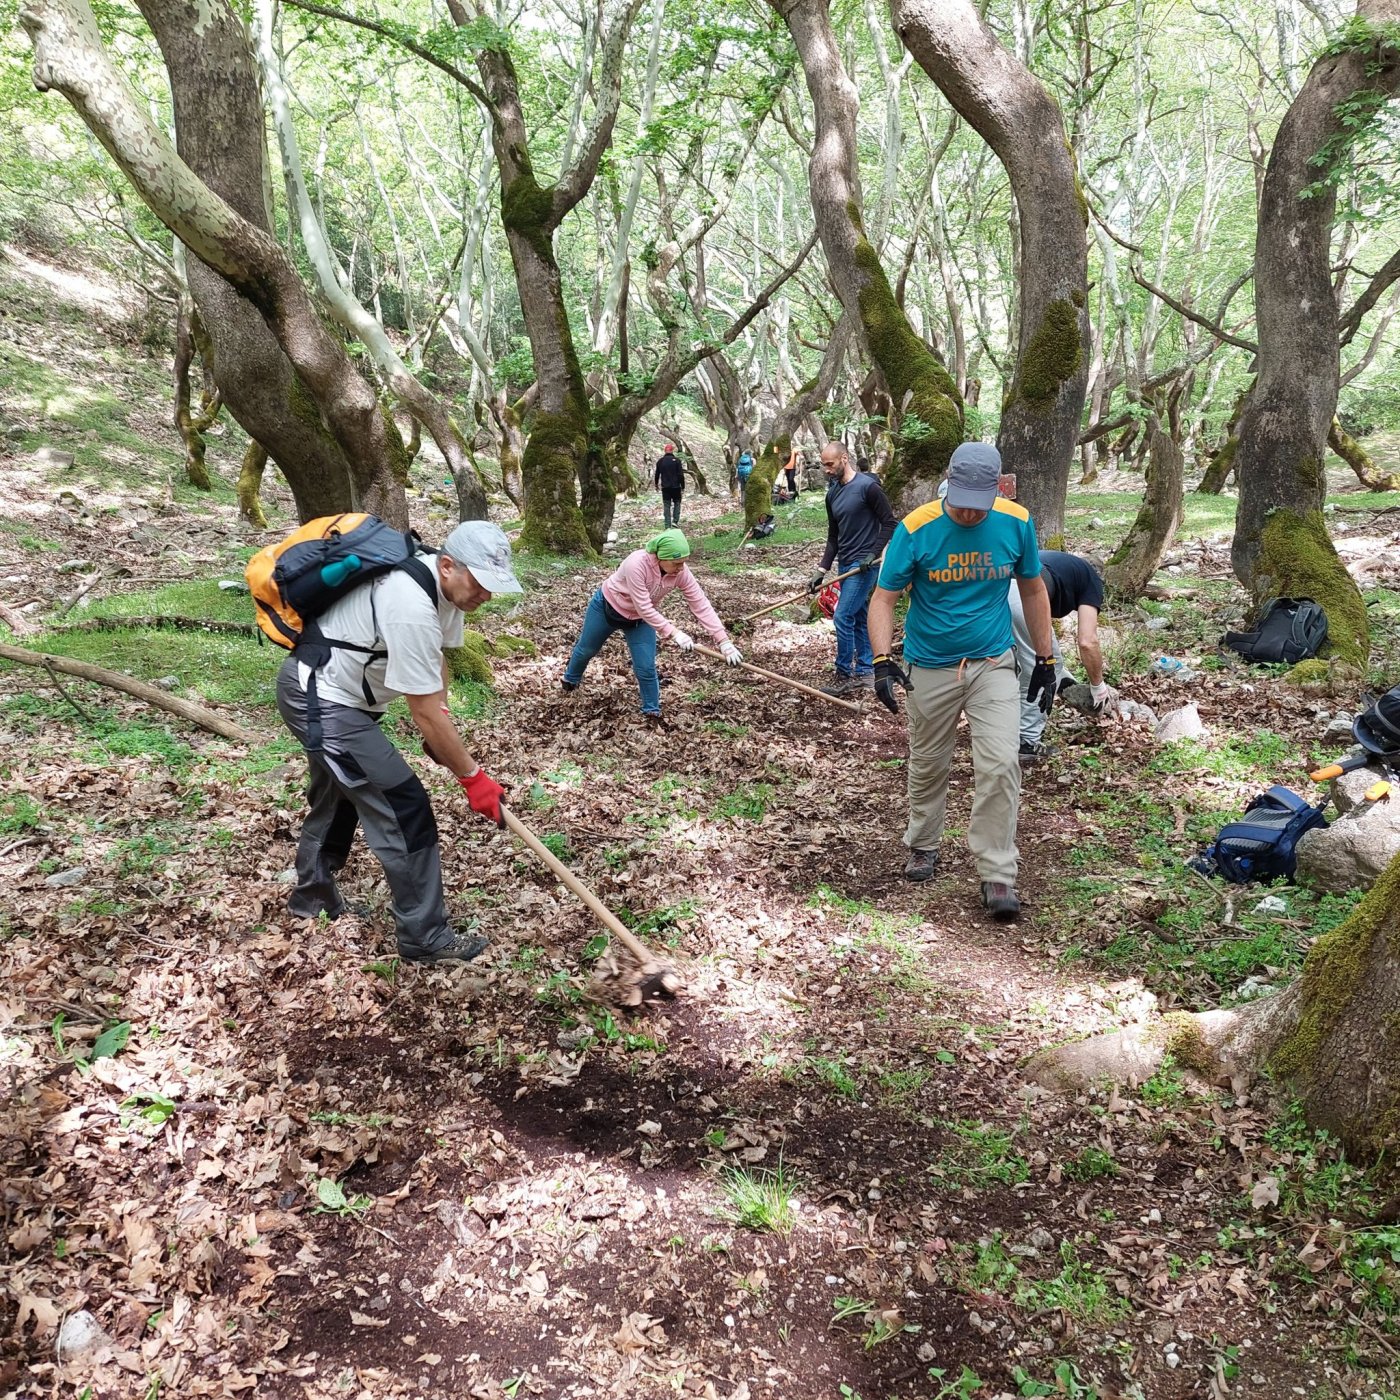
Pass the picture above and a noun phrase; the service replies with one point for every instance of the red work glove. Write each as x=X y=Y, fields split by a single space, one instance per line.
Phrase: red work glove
x=485 y=795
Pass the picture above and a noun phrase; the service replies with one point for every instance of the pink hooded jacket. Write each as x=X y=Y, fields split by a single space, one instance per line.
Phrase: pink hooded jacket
x=638 y=586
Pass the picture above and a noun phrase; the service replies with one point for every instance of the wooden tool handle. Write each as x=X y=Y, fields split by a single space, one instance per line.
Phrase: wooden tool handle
x=782 y=680
x=796 y=598
x=599 y=910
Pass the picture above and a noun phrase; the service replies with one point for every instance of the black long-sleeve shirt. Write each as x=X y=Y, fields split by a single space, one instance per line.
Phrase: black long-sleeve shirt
x=670 y=472
x=859 y=521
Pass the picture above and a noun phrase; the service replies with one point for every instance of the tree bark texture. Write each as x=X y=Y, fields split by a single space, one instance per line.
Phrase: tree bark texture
x=1281 y=545
x=1131 y=568
x=69 y=56
x=219 y=134
x=250 y=475
x=191 y=425
x=1017 y=117
x=928 y=413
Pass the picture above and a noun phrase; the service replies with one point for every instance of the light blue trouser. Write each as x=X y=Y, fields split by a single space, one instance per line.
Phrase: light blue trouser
x=640 y=636
x=853 y=656
x=1032 y=716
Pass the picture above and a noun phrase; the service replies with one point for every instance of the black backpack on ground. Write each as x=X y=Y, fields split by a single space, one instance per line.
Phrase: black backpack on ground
x=1289 y=629
x=764 y=528
x=1262 y=844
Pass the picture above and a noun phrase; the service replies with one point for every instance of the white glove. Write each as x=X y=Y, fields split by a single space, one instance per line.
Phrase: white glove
x=683 y=640
x=1103 y=695
x=731 y=653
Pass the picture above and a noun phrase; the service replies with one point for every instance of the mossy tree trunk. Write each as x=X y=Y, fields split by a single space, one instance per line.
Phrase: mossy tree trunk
x=250 y=477
x=1131 y=568
x=1332 y=1038
x=557 y=460
x=927 y=411
x=1359 y=460
x=1281 y=545
x=1222 y=460
x=322 y=435
x=192 y=425
x=1018 y=118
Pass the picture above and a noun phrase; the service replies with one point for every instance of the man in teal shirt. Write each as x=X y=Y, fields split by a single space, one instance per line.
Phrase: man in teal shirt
x=956 y=555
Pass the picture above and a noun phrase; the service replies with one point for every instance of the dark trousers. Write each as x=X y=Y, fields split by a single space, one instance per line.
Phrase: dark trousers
x=671 y=505
x=360 y=779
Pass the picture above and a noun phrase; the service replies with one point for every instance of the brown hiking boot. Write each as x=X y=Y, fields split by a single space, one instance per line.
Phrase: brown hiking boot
x=1000 y=901
x=921 y=865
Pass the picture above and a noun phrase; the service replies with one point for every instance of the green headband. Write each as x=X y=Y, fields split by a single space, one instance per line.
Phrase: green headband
x=669 y=544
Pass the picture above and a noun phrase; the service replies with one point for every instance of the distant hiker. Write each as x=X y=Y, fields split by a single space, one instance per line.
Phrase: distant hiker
x=1074 y=586
x=859 y=523
x=670 y=477
x=743 y=469
x=790 y=472
x=392 y=631
x=629 y=602
x=862 y=465
x=958 y=555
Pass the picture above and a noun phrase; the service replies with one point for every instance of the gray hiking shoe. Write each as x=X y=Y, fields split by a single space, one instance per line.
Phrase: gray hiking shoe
x=921 y=865
x=1033 y=752
x=1000 y=901
x=462 y=948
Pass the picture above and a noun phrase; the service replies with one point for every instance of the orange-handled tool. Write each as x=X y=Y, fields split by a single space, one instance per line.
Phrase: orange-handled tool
x=1335 y=770
x=1377 y=791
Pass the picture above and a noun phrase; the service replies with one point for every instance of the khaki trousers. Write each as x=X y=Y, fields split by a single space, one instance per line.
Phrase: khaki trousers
x=989 y=693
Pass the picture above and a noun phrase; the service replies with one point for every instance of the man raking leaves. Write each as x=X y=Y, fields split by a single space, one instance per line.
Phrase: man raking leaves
x=367 y=613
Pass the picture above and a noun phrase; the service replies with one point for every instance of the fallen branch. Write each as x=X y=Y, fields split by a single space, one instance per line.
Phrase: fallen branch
x=778 y=679
x=114 y=680
x=16 y=621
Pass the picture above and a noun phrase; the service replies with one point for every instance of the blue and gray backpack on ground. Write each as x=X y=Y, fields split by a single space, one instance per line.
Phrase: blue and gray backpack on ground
x=1288 y=629
x=1262 y=845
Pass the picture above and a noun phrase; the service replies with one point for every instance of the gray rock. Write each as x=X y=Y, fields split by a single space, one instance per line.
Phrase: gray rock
x=52 y=457
x=1078 y=697
x=168 y=682
x=71 y=566
x=1135 y=710
x=233 y=585
x=1338 y=728
x=1350 y=789
x=1185 y=723
x=1158 y=624
x=15 y=432
x=64 y=878
x=80 y=1335
x=1352 y=853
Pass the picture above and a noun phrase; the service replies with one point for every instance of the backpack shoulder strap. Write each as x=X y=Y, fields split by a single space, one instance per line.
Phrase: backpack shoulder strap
x=417 y=570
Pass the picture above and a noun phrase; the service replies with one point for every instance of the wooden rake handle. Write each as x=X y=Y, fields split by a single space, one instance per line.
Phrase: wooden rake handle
x=596 y=907
x=783 y=680
x=796 y=598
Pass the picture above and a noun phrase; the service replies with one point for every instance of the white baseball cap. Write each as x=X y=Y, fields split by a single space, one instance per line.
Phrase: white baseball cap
x=484 y=549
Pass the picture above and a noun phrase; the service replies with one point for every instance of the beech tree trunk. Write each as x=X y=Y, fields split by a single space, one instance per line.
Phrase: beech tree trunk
x=69 y=56
x=1131 y=568
x=926 y=408
x=1017 y=117
x=1332 y=1037
x=250 y=477
x=1281 y=544
x=219 y=135
x=192 y=425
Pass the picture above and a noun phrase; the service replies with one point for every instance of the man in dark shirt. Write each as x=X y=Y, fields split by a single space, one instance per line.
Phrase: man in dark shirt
x=859 y=525
x=670 y=477
x=1075 y=587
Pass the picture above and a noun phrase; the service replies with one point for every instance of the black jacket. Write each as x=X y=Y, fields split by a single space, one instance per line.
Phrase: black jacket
x=670 y=473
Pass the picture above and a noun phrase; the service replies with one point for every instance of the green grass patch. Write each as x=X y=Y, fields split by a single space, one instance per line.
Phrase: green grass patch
x=760 y=1200
x=748 y=802
x=979 y=1156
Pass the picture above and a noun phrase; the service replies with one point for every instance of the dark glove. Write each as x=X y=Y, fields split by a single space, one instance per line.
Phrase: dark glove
x=889 y=674
x=485 y=795
x=815 y=582
x=871 y=561
x=1041 y=690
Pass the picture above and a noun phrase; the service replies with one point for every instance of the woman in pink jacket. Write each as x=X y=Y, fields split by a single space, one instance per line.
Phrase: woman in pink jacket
x=629 y=602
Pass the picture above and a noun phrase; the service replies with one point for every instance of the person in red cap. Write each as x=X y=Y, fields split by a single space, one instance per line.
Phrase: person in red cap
x=670 y=477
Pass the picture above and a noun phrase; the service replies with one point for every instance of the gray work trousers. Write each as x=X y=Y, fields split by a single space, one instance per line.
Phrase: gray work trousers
x=361 y=779
x=1032 y=716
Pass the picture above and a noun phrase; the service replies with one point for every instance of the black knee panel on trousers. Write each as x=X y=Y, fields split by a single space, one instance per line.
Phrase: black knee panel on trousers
x=414 y=812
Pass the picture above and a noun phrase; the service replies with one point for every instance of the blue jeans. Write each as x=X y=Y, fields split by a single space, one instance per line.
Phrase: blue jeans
x=853 y=656
x=640 y=636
